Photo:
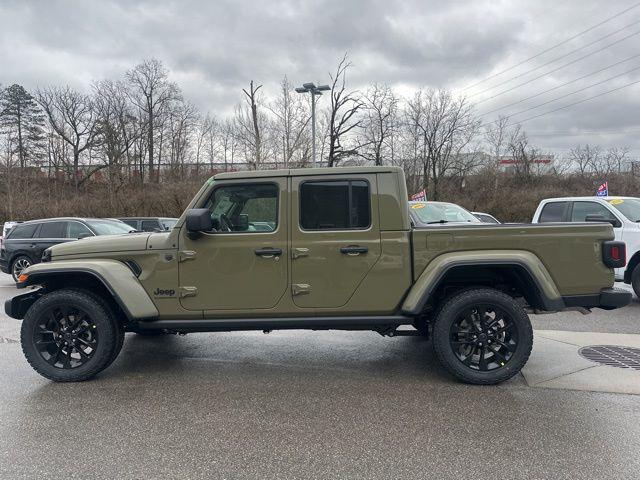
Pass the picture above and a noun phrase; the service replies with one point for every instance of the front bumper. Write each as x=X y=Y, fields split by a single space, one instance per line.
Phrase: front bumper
x=608 y=299
x=17 y=306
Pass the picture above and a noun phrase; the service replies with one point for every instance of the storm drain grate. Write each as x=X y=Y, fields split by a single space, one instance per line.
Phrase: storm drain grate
x=614 y=356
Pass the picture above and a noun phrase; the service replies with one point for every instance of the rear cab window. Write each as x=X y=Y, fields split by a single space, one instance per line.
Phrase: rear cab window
x=335 y=205
x=553 y=212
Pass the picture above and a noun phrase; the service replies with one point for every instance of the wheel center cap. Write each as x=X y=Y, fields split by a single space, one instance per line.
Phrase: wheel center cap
x=482 y=337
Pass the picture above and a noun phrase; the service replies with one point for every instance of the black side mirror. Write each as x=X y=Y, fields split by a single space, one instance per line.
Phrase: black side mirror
x=596 y=217
x=199 y=220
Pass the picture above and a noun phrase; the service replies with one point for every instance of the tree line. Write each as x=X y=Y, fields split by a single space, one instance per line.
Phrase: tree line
x=140 y=129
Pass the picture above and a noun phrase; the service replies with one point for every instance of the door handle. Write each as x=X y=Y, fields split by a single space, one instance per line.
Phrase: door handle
x=268 y=252
x=353 y=250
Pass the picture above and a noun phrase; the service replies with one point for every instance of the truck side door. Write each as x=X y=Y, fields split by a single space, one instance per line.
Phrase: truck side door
x=243 y=264
x=335 y=238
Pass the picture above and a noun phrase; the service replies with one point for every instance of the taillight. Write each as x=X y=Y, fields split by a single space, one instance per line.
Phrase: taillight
x=614 y=254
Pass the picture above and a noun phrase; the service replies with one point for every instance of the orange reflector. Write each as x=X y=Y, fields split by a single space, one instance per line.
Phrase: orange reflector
x=23 y=278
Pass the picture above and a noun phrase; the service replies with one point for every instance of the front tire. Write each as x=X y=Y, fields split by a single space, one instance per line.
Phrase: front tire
x=635 y=280
x=482 y=336
x=18 y=265
x=69 y=336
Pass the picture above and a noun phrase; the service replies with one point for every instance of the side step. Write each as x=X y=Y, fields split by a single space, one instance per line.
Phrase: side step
x=284 y=323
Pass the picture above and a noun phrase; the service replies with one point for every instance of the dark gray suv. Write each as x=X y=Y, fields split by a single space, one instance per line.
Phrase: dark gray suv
x=27 y=241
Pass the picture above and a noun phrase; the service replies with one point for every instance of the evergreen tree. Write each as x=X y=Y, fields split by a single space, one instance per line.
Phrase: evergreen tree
x=22 y=120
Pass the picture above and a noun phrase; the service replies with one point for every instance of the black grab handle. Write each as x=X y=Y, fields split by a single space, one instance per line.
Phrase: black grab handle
x=268 y=252
x=353 y=249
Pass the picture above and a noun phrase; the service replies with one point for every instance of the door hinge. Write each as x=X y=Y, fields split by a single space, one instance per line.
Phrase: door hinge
x=185 y=255
x=300 y=288
x=188 y=292
x=299 y=252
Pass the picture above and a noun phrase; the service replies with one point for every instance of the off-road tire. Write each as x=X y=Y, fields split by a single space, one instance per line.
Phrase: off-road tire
x=635 y=280
x=20 y=258
x=452 y=309
x=106 y=326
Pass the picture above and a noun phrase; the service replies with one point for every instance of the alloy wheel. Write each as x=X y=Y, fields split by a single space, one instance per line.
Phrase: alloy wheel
x=18 y=266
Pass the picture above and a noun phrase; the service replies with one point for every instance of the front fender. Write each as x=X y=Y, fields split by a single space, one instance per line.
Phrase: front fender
x=116 y=277
x=435 y=271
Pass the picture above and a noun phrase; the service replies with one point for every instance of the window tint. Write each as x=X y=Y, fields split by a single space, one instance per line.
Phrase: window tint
x=132 y=223
x=245 y=208
x=76 y=229
x=52 y=230
x=327 y=205
x=582 y=209
x=22 y=231
x=151 y=225
x=552 y=212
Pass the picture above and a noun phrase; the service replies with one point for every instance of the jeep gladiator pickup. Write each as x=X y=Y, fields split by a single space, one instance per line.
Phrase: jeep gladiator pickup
x=314 y=249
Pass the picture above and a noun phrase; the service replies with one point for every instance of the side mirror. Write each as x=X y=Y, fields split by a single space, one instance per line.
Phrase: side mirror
x=84 y=235
x=596 y=217
x=199 y=220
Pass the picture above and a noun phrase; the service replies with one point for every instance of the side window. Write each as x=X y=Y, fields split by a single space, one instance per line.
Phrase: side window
x=335 y=205
x=52 y=230
x=76 y=229
x=245 y=208
x=22 y=231
x=552 y=212
x=151 y=225
x=582 y=209
x=131 y=223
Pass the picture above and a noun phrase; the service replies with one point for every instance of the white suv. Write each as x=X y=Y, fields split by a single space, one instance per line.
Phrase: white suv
x=622 y=212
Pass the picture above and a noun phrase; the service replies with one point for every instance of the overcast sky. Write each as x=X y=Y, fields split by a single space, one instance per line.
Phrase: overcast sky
x=213 y=48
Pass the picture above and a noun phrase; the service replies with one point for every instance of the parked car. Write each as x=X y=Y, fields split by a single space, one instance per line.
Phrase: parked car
x=438 y=213
x=623 y=213
x=485 y=217
x=339 y=254
x=27 y=241
x=150 y=224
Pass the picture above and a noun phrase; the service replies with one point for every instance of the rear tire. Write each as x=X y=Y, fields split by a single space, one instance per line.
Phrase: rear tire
x=635 y=280
x=18 y=265
x=482 y=336
x=70 y=336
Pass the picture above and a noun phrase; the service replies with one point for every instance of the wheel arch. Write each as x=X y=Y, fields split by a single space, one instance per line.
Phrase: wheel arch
x=519 y=273
x=631 y=265
x=110 y=279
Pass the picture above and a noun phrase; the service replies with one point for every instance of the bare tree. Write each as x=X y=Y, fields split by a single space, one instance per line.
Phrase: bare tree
x=585 y=158
x=379 y=123
x=152 y=92
x=254 y=129
x=71 y=115
x=343 y=115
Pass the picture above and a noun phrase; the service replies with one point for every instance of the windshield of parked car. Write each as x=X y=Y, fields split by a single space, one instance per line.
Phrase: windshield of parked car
x=168 y=223
x=629 y=207
x=437 y=212
x=109 y=227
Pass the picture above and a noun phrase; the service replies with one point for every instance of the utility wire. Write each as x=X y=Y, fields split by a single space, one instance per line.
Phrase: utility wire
x=593 y=27
x=561 y=57
x=557 y=68
x=573 y=93
x=560 y=86
x=569 y=105
x=583 y=132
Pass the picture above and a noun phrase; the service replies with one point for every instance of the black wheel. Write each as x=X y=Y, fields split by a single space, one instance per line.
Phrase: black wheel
x=482 y=336
x=69 y=336
x=635 y=280
x=19 y=264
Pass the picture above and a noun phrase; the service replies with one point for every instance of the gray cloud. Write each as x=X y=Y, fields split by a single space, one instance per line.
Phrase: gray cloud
x=215 y=48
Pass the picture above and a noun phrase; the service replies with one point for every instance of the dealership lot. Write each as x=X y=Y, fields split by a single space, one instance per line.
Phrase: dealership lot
x=318 y=405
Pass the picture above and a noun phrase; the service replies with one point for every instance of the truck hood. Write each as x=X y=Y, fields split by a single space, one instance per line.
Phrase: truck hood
x=102 y=244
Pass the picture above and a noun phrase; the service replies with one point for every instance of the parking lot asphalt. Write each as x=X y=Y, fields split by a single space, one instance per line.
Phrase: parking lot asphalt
x=307 y=405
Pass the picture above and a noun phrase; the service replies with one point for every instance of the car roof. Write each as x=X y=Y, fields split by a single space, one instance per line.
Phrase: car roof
x=593 y=197
x=65 y=219
x=291 y=172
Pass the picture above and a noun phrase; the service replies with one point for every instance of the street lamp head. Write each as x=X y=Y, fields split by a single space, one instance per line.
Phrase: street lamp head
x=309 y=86
x=301 y=90
x=323 y=87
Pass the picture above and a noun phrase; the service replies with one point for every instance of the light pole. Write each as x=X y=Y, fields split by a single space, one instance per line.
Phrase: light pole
x=314 y=91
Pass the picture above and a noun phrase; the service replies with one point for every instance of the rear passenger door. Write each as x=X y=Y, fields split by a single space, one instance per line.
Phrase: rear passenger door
x=49 y=234
x=335 y=238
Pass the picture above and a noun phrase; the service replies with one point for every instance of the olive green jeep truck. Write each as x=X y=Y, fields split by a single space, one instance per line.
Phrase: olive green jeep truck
x=314 y=249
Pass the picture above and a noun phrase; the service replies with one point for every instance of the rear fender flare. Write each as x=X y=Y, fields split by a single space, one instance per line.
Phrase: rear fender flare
x=435 y=271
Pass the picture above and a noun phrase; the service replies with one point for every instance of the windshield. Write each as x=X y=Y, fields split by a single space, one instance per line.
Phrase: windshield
x=629 y=207
x=168 y=223
x=431 y=212
x=109 y=227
